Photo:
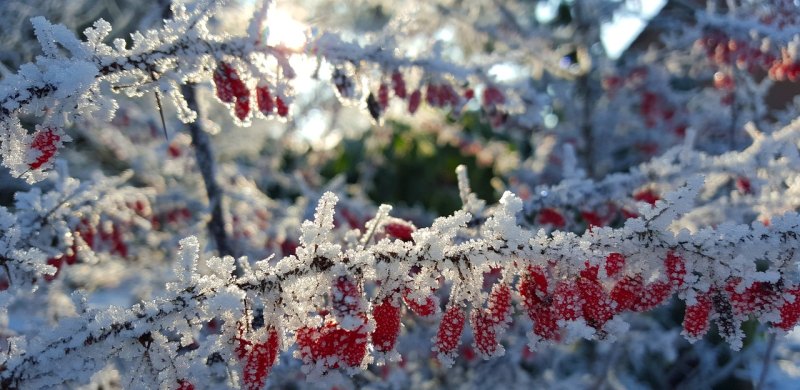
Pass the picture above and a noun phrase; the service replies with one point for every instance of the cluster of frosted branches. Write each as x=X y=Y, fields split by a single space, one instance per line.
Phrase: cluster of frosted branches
x=338 y=298
x=338 y=301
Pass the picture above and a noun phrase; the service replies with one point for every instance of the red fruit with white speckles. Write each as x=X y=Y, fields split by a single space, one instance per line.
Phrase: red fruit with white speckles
x=387 y=325
x=449 y=334
x=696 y=318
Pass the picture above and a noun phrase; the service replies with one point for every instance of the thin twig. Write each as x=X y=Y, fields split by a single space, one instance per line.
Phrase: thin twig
x=767 y=360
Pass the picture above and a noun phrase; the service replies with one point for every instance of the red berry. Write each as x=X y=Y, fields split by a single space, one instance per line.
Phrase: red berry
x=484 y=333
x=614 y=264
x=648 y=196
x=697 y=317
x=332 y=345
x=469 y=93
x=346 y=303
x=595 y=302
x=413 y=101
x=567 y=301
x=282 y=108
x=449 y=334
x=387 y=325
x=383 y=96
x=264 y=100
x=499 y=306
x=398 y=84
x=57 y=262
x=545 y=323
x=258 y=361
x=653 y=295
x=426 y=309
x=676 y=269
x=184 y=384
x=790 y=310
x=626 y=292
x=399 y=229
x=743 y=185
x=533 y=288
x=242 y=107
x=492 y=96
x=592 y=218
x=45 y=142
x=551 y=217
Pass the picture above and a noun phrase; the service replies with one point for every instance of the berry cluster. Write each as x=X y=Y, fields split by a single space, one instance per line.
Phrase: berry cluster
x=231 y=88
x=726 y=51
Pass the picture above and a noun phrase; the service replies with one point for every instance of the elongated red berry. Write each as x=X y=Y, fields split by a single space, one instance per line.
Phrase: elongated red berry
x=627 y=292
x=676 y=269
x=615 y=262
x=184 y=384
x=790 y=310
x=533 y=288
x=551 y=217
x=281 y=107
x=545 y=323
x=264 y=100
x=241 y=108
x=222 y=83
x=346 y=303
x=653 y=294
x=383 y=96
x=499 y=307
x=449 y=334
x=399 y=84
x=414 y=100
x=258 y=361
x=333 y=346
x=425 y=308
x=45 y=143
x=484 y=333
x=596 y=304
x=492 y=97
x=696 y=318
x=387 y=325
x=647 y=196
x=399 y=229
x=567 y=301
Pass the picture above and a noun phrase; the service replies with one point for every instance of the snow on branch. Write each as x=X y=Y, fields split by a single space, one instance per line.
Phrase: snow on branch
x=571 y=286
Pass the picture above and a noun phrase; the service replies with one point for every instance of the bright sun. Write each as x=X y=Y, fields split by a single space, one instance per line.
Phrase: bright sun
x=285 y=31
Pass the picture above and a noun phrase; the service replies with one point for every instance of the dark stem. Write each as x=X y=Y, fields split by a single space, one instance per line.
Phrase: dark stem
x=204 y=155
x=767 y=359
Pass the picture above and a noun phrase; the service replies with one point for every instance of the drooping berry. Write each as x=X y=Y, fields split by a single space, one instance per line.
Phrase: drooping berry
x=45 y=144
x=567 y=301
x=492 y=96
x=596 y=304
x=383 y=96
x=533 y=288
x=499 y=307
x=653 y=294
x=615 y=262
x=484 y=333
x=331 y=345
x=399 y=229
x=399 y=84
x=264 y=100
x=647 y=196
x=414 y=100
x=387 y=325
x=449 y=334
x=346 y=303
x=426 y=308
x=676 y=269
x=696 y=318
x=258 y=361
x=790 y=310
x=627 y=292
x=548 y=216
x=281 y=107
